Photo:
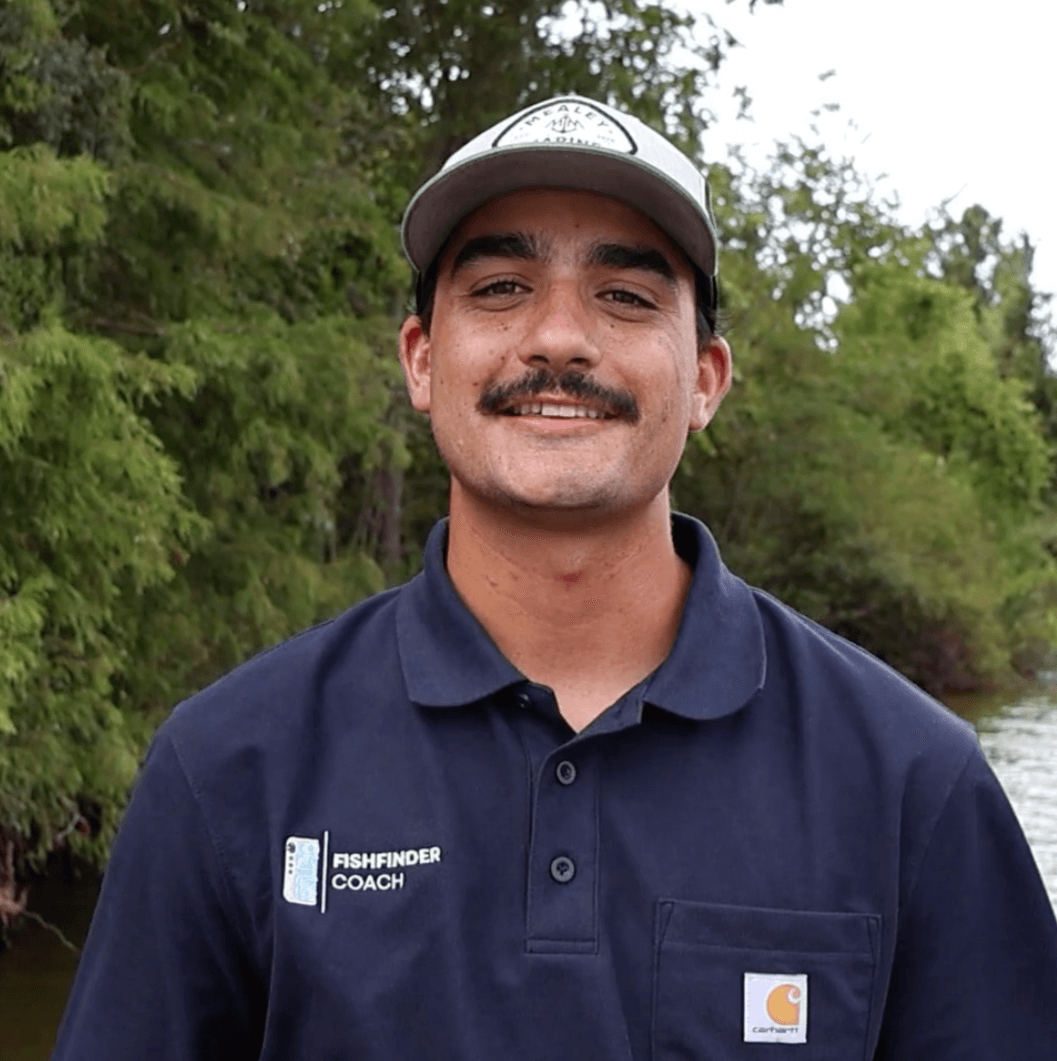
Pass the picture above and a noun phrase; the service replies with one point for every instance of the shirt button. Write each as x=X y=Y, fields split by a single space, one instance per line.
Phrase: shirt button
x=563 y=869
x=524 y=700
x=565 y=772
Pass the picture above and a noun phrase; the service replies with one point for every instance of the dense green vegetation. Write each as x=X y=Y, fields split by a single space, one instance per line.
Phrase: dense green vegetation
x=204 y=442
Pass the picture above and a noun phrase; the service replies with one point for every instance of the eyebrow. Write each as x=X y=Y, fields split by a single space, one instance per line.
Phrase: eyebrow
x=517 y=245
x=524 y=246
x=620 y=256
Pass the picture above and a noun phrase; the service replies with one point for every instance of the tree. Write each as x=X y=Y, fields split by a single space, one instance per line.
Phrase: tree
x=195 y=300
x=91 y=512
x=874 y=466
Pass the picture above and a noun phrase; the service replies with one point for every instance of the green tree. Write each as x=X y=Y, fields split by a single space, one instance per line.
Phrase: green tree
x=196 y=293
x=91 y=512
x=874 y=466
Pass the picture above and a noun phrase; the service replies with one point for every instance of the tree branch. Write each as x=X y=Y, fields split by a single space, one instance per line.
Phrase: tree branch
x=52 y=928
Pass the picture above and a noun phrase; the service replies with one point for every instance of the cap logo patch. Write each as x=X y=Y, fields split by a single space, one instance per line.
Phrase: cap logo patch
x=575 y=122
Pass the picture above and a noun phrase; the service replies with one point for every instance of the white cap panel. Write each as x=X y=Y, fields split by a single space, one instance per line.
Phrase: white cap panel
x=569 y=142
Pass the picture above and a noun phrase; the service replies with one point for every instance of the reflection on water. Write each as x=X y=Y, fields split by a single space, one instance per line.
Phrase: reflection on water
x=1020 y=742
x=35 y=975
x=1018 y=738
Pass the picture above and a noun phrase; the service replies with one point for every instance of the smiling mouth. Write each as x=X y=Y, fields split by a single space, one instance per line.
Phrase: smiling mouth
x=559 y=411
x=570 y=395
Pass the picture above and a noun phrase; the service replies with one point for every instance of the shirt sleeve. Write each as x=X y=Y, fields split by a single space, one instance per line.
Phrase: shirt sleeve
x=975 y=969
x=164 y=974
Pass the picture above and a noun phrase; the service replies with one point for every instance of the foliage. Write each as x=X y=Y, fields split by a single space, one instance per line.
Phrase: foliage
x=196 y=291
x=90 y=514
x=878 y=465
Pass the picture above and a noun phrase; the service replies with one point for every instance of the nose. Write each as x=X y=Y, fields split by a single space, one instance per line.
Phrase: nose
x=561 y=334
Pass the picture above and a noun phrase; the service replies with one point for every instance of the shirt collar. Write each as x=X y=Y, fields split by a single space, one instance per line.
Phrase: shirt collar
x=715 y=667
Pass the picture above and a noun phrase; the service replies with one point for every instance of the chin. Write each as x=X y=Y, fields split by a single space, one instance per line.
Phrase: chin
x=568 y=491
x=557 y=506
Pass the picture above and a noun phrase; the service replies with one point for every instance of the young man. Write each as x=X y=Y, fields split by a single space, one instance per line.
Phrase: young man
x=575 y=790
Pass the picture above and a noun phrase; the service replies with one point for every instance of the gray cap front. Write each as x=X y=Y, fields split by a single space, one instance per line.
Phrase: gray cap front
x=567 y=142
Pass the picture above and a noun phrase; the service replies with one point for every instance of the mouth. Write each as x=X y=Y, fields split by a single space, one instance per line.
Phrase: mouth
x=557 y=411
x=571 y=397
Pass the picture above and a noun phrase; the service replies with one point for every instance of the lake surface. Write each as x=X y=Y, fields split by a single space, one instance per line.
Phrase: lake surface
x=1020 y=742
x=1019 y=739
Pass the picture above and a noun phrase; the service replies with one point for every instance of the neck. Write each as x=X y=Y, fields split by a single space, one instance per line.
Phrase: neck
x=586 y=609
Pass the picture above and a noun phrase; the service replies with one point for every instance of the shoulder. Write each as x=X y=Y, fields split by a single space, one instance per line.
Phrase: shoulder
x=271 y=705
x=860 y=703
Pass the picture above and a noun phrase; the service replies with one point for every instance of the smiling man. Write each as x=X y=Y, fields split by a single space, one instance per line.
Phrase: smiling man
x=562 y=369
x=574 y=791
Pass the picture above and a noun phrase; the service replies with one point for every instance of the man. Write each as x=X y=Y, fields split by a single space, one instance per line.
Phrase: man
x=575 y=790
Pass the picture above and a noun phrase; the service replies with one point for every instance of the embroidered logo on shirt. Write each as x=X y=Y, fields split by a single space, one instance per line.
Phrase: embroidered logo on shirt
x=775 y=1008
x=302 y=862
x=301 y=870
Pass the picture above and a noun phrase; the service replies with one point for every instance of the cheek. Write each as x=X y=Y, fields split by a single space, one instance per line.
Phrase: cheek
x=465 y=363
x=680 y=386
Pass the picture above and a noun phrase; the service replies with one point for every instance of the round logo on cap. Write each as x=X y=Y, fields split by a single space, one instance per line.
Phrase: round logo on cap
x=576 y=122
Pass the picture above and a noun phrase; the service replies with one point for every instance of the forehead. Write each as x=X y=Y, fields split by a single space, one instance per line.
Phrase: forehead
x=565 y=217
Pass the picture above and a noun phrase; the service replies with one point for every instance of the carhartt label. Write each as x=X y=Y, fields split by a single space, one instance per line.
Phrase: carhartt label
x=568 y=122
x=775 y=1008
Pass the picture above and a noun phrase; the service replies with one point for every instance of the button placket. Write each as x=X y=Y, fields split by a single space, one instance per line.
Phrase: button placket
x=563 y=860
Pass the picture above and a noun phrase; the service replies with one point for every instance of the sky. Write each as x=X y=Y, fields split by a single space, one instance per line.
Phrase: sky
x=950 y=99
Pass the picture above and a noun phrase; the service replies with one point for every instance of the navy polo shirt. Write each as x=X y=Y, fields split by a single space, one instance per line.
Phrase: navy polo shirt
x=379 y=840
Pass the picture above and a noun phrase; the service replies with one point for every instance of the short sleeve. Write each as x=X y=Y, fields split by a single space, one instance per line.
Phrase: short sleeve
x=164 y=974
x=975 y=969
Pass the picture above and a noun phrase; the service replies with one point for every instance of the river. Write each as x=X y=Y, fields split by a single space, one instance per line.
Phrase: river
x=1019 y=739
x=1020 y=742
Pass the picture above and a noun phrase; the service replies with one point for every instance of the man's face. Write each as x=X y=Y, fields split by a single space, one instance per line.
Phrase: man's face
x=562 y=370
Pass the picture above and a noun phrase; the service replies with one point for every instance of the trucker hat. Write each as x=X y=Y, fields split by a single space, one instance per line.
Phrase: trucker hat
x=567 y=142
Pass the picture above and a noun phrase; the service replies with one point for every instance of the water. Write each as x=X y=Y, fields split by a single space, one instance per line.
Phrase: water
x=1019 y=739
x=35 y=975
x=1020 y=742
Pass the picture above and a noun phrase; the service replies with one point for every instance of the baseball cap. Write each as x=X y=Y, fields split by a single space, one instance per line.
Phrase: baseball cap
x=567 y=142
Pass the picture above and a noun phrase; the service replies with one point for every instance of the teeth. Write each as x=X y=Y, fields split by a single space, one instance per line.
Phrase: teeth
x=567 y=412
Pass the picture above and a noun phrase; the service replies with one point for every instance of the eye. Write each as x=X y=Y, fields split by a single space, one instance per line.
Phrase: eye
x=498 y=287
x=626 y=298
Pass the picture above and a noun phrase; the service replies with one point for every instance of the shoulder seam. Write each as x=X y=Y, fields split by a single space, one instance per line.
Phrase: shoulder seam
x=943 y=804
x=218 y=850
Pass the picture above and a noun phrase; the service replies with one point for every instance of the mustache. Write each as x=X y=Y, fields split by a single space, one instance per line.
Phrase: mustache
x=574 y=384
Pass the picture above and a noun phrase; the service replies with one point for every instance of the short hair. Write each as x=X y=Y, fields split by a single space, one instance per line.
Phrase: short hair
x=706 y=290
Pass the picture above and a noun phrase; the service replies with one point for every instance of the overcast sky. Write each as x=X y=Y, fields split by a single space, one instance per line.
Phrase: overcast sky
x=948 y=97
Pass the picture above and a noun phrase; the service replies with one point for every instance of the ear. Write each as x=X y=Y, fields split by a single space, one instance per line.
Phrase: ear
x=714 y=373
x=416 y=361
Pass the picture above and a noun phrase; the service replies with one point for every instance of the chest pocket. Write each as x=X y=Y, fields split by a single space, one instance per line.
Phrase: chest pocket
x=704 y=950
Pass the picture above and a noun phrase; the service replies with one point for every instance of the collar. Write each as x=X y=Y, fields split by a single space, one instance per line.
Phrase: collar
x=715 y=667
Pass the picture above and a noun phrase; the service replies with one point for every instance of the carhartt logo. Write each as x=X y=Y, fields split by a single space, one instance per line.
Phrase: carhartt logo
x=569 y=121
x=783 y=1004
x=775 y=1008
x=308 y=877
